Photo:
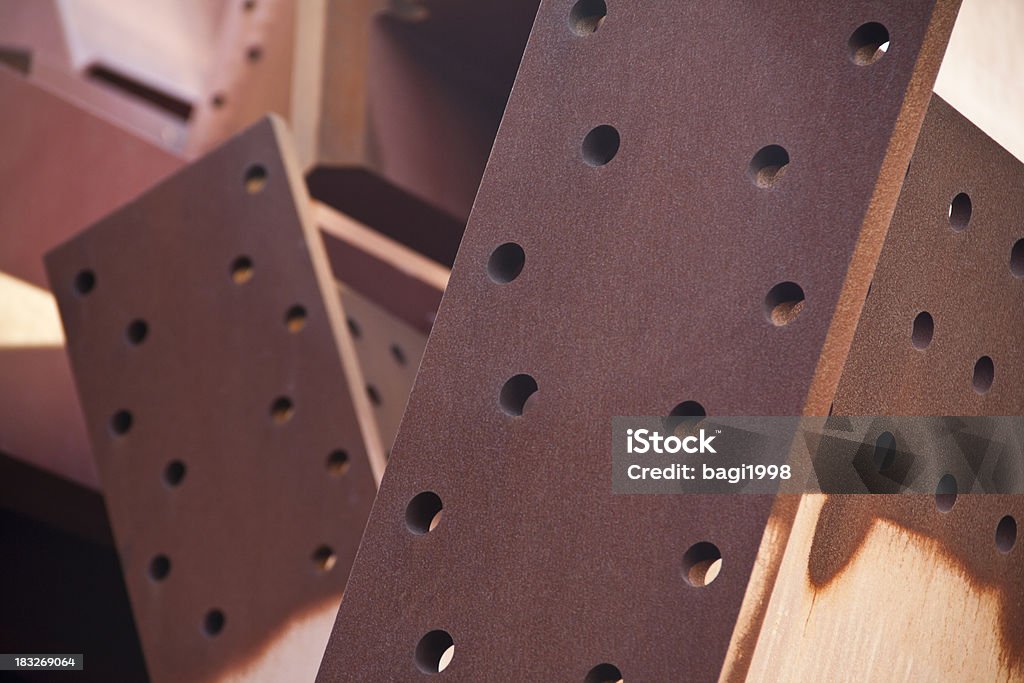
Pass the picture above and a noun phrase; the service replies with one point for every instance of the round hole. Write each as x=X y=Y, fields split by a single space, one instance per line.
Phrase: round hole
x=423 y=513
x=768 y=166
x=353 y=328
x=254 y=53
x=213 y=622
x=282 y=410
x=1017 y=258
x=702 y=564
x=434 y=652
x=945 y=493
x=600 y=145
x=924 y=328
x=885 y=451
x=174 y=473
x=783 y=303
x=159 y=567
x=984 y=374
x=255 y=179
x=121 y=422
x=604 y=673
x=868 y=44
x=506 y=262
x=374 y=395
x=586 y=16
x=324 y=558
x=398 y=354
x=337 y=462
x=241 y=270
x=136 y=332
x=515 y=393
x=960 y=212
x=295 y=318
x=1006 y=534
x=84 y=282
x=689 y=409
x=218 y=100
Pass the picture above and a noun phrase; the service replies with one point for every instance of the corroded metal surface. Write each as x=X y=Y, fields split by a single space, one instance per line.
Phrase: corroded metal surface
x=225 y=409
x=634 y=247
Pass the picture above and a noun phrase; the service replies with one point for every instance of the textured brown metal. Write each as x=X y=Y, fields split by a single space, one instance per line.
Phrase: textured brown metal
x=226 y=412
x=631 y=249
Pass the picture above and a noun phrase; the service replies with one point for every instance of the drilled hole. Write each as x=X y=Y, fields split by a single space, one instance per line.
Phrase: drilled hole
x=136 y=332
x=121 y=422
x=586 y=16
x=945 y=493
x=984 y=374
x=685 y=418
x=254 y=53
x=869 y=43
x=506 y=262
x=768 y=166
x=1006 y=534
x=324 y=558
x=398 y=354
x=174 y=473
x=295 y=318
x=600 y=145
x=353 y=328
x=924 y=328
x=689 y=409
x=338 y=462
x=255 y=179
x=1017 y=258
x=374 y=395
x=213 y=622
x=701 y=564
x=604 y=673
x=515 y=393
x=434 y=652
x=885 y=451
x=423 y=513
x=783 y=303
x=960 y=212
x=84 y=282
x=159 y=567
x=241 y=270
x=282 y=410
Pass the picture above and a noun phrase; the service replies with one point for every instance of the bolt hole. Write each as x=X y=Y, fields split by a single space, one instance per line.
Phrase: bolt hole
x=398 y=354
x=324 y=558
x=1006 y=534
x=783 y=303
x=506 y=262
x=515 y=393
x=604 y=673
x=885 y=451
x=121 y=422
x=423 y=513
x=241 y=270
x=600 y=145
x=923 y=329
x=984 y=374
x=159 y=567
x=295 y=318
x=959 y=212
x=868 y=44
x=255 y=179
x=282 y=410
x=174 y=473
x=434 y=652
x=353 y=328
x=1017 y=258
x=768 y=166
x=702 y=564
x=84 y=282
x=587 y=16
x=213 y=622
x=945 y=493
x=338 y=462
x=136 y=332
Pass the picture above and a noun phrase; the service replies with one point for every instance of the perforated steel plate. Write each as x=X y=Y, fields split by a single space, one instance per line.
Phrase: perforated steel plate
x=221 y=395
x=631 y=252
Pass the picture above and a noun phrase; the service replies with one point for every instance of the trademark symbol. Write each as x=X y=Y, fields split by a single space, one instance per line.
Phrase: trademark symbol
x=718 y=431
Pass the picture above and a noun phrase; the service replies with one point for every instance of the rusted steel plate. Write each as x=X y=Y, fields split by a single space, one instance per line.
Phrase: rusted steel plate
x=630 y=250
x=226 y=412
